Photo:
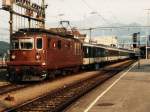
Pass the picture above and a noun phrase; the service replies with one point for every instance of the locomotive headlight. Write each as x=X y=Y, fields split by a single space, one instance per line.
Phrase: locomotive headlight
x=43 y=63
x=38 y=57
x=13 y=57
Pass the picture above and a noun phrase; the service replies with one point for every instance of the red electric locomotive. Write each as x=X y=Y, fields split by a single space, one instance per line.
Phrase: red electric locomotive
x=38 y=53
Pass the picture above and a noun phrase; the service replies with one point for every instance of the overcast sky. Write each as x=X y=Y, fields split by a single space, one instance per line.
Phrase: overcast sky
x=126 y=11
x=112 y=11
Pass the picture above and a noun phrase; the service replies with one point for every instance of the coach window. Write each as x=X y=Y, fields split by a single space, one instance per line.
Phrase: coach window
x=90 y=52
x=59 y=44
x=39 y=43
x=87 y=52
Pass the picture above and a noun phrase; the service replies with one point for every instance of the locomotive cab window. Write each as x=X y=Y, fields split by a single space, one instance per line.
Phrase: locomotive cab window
x=39 y=43
x=22 y=44
x=15 y=44
x=26 y=44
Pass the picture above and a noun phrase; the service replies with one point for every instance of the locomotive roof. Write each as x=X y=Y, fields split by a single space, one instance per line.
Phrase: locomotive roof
x=41 y=30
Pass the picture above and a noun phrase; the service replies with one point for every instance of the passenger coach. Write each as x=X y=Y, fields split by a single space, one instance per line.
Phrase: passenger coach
x=97 y=55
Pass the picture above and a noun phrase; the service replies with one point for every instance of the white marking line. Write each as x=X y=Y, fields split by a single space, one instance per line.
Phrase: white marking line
x=103 y=93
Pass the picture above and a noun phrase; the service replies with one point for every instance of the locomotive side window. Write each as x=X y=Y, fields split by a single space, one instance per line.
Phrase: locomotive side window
x=75 y=48
x=39 y=43
x=59 y=44
x=49 y=43
x=79 y=48
x=68 y=45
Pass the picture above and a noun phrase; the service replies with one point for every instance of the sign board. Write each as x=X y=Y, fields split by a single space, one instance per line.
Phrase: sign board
x=6 y=4
x=31 y=9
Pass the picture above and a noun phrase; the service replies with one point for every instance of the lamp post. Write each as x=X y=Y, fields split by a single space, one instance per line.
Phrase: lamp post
x=90 y=29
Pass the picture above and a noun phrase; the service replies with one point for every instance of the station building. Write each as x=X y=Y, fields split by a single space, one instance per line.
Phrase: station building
x=107 y=40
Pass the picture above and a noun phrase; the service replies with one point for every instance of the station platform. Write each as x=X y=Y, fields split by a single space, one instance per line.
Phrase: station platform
x=129 y=91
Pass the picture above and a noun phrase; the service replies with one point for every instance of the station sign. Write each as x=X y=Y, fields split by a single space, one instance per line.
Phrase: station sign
x=32 y=9
x=28 y=5
x=6 y=4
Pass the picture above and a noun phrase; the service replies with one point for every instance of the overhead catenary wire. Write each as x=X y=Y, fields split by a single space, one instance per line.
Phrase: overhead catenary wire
x=98 y=14
x=114 y=27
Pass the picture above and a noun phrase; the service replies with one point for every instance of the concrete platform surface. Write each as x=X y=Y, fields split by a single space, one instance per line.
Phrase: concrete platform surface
x=129 y=91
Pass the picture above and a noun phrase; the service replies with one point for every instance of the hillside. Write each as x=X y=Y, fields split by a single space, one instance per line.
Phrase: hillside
x=4 y=46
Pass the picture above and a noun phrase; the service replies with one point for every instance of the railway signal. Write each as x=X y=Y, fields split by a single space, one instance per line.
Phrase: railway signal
x=134 y=40
x=136 y=46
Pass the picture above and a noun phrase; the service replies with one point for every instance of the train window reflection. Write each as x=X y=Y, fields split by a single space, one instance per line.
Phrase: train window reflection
x=22 y=44
x=26 y=43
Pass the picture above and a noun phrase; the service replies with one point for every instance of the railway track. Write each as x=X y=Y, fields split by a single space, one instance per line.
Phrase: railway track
x=4 y=84
x=11 y=87
x=59 y=99
x=6 y=87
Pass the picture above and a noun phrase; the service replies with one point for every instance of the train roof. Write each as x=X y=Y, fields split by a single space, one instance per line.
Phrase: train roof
x=41 y=30
x=108 y=47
